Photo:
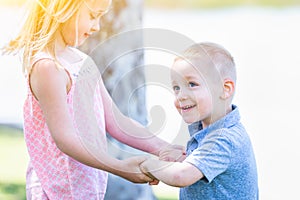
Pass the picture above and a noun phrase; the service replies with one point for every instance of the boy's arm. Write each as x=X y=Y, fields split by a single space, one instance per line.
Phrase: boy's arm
x=178 y=174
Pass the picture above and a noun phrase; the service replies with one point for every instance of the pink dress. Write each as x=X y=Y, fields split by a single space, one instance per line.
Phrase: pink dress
x=52 y=174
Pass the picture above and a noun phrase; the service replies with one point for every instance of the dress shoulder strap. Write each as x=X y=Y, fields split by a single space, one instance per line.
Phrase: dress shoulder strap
x=40 y=56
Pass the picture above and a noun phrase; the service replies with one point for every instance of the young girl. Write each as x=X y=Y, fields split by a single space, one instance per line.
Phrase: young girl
x=64 y=142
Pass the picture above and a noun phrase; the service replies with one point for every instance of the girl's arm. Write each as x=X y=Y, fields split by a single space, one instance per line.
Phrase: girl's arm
x=130 y=132
x=177 y=174
x=49 y=85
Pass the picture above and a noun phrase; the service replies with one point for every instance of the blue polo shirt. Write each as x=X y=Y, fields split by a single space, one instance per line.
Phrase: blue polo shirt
x=224 y=154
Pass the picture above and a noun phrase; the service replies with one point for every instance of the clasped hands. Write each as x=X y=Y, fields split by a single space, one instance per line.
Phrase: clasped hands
x=133 y=167
x=172 y=153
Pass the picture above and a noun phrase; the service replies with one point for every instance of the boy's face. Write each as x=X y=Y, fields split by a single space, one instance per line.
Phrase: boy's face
x=193 y=96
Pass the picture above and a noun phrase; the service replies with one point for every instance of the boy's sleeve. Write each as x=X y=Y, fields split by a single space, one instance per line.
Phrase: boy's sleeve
x=212 y=157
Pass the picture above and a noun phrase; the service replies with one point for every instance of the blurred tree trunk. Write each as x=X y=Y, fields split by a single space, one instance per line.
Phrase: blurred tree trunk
x=123 y=79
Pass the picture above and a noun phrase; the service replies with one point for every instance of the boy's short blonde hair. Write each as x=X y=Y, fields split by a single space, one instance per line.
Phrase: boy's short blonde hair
x=218 y=56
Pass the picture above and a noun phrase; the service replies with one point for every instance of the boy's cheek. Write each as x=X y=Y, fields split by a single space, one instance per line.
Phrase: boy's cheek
x=177 y=106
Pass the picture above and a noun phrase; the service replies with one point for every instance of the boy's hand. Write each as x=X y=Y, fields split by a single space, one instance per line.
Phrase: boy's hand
x=173 y=153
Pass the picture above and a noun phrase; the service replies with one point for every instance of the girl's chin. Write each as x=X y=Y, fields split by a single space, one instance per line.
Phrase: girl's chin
x=79 y=42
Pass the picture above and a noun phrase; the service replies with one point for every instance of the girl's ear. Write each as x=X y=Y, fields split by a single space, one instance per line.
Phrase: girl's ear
x=228 y=89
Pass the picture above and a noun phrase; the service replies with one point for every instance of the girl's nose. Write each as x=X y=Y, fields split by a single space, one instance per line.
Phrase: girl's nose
x=96 y=26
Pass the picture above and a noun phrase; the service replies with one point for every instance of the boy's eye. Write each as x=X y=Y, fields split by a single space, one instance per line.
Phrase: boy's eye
x=176 y=88
x=191 y=84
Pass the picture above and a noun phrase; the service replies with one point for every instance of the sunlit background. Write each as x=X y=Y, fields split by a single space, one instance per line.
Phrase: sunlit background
x=263 y=37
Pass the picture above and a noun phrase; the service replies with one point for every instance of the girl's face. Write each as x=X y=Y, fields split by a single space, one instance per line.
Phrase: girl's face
x=193 y=99
x=85 y=22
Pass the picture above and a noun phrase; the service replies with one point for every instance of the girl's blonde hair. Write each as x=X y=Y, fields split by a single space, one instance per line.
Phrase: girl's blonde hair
x=45 y=18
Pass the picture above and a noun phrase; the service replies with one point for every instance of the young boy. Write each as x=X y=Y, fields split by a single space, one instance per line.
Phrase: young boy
x=220 y=162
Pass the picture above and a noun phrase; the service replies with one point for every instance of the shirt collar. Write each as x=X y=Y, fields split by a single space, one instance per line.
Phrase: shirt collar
x=225 y=122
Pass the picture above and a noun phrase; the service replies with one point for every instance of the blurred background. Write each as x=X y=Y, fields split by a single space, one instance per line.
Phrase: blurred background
x=263 y=37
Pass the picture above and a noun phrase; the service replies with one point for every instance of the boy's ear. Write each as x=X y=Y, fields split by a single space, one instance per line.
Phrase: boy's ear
x=228 y=89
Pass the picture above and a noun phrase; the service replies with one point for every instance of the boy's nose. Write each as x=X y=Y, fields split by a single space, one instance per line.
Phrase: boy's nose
x=182 y=95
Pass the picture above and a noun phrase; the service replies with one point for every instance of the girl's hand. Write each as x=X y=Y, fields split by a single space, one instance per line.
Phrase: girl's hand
x=173 y=153
x=154 y=182
x=131 y=171
x=143 y=168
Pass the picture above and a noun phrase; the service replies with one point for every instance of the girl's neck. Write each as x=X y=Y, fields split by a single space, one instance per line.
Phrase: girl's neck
x=60 y=44
x=63 y=52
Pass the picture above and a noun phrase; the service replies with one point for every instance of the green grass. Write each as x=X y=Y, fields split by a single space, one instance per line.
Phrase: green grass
x=12 y=191
x=13 y=163
x=165 y=192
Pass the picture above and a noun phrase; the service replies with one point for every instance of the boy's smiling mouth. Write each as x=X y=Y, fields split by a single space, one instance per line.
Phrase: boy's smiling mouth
x=187 y=108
